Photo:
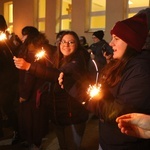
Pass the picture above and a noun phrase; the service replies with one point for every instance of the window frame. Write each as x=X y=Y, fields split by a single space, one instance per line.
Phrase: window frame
x=41 y=19
x=96 y=14
x=8 y=13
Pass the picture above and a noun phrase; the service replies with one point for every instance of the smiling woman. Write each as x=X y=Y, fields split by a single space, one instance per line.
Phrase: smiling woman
x=67 y=45
x=65 y=112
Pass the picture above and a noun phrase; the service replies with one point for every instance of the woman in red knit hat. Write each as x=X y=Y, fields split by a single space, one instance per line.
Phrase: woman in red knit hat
x=125 y=84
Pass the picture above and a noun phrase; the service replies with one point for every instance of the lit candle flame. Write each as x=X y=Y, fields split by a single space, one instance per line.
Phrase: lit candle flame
x=94 y=90
x=2 y=36
x=40 y=54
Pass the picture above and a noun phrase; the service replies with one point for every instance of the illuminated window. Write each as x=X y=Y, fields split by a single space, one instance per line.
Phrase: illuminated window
x=97 y=14
x=41 y=15
x=8 y=14
x=135 y=6
x=66 y=8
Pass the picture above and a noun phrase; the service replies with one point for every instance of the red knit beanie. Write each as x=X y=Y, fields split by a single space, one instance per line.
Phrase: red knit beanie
x=133 y=31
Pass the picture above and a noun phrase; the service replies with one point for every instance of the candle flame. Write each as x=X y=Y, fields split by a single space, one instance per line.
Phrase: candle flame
x=40 y=54
x=2 y=36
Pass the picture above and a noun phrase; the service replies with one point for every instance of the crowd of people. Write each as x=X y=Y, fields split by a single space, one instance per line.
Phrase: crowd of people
x=54 y=87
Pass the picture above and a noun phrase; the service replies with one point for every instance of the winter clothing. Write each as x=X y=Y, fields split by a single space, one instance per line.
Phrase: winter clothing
x=34 y=110
x=97 y=50
x=125 y=97
x=3 y=25
x=129 y=94
x=67 y=115
x=147 y=12
x=64 y=110
x=128 y=97
x=99 y=34
x=8 y=84
x=128 y=31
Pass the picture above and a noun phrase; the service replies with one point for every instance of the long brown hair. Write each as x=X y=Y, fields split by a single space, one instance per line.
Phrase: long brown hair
x=112 y=72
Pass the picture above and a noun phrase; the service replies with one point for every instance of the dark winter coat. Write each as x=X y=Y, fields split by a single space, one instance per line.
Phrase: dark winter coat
x=34 y=111
x=131 y=94
x=64 y=110
x=8 y=84
x=98 y=49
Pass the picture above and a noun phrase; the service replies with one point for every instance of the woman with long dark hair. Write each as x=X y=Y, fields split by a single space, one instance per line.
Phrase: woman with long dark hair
x=67 y=115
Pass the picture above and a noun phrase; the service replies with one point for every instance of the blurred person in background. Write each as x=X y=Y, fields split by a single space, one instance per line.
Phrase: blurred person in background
x=83 y=42
x=9 y=81
x=97 y=51
x=33 y=91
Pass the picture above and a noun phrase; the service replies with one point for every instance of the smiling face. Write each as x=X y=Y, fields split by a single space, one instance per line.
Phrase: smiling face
x=118 y=46
x=67 y=45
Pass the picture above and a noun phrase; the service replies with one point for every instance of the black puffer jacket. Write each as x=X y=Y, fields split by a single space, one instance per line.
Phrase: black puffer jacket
x=64 y=110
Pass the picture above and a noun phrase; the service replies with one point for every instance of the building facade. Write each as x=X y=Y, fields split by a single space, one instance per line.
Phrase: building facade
x=26 y=12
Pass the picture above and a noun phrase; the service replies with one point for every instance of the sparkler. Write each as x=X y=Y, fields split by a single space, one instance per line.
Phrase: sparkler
x=95 y=89
x=3 y=38
x=39 y=55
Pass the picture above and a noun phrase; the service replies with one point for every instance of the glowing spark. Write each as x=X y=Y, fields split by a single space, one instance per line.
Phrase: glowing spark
x=40 y=54
x=94 y=90
x=2 y=36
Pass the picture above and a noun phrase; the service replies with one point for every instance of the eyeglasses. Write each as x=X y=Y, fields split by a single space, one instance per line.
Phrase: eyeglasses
x=70 y=43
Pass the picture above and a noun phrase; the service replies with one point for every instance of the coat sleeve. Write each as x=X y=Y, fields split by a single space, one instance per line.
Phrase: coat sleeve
x=46 y=73
x=134 y=89
x=131 y=94
x=74 y=68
